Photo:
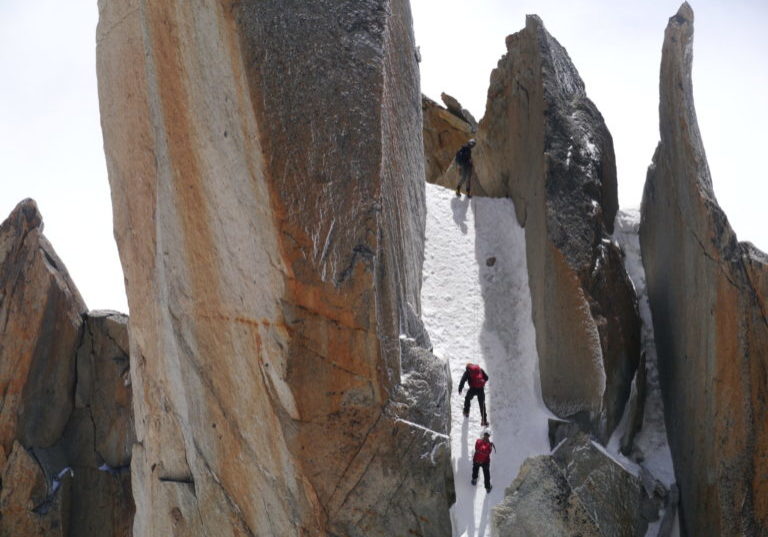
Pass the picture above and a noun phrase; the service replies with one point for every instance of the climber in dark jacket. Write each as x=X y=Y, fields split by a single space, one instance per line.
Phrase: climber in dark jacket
x=477 y=377
x=464 y=162
x=482 y=459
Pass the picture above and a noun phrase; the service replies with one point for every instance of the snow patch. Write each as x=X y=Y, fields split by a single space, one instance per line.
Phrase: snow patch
x=591 y=148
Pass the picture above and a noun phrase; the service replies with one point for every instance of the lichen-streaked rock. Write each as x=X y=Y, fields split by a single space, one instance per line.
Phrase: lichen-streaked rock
x=266 y=166
x=707 y=293
x=544 y=143
x=44 y=427
x=444 y=134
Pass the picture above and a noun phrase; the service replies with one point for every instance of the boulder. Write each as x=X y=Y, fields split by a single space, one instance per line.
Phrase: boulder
x=444 y=134
x=577 y=490
x=540 y=502
x=267 y=176
x=543 y=143
x=455 y=108
x=707 y=294
x=616 y=499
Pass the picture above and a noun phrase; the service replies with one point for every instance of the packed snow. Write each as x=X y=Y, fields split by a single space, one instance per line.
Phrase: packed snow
x=476 y=305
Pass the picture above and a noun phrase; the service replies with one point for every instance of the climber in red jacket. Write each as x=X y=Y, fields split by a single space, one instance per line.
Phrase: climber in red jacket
x=482 y=459
x=477 y=378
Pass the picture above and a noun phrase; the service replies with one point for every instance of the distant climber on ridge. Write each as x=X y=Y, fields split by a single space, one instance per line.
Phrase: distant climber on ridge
x=464 y=162
x=477 y=377
x=482 y=459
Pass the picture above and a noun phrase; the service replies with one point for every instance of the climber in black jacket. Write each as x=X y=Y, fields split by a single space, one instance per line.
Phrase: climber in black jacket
x=464 y=162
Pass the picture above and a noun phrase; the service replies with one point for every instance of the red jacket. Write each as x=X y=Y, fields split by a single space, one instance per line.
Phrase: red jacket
x=483 y=449
x=475 y=375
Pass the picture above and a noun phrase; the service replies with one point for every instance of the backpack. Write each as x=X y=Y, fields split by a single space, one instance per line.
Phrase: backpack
x=464 y=156
x=482 y=451
x=476 y=378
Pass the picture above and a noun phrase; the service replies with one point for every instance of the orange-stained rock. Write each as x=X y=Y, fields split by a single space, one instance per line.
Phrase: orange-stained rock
x=707 y=293
x=543 y=143
x=444 y=134
x=266 y=166
x=40 y=312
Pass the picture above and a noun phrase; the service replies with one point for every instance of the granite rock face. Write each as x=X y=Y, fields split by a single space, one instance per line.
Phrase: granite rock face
x=543 y=143
x=578 y=490
x=444 y=134
x=266 y=166
x=61 y=407
x=707 y=293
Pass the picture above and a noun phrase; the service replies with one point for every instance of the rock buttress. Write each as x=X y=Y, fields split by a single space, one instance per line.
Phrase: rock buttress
x=707 y=294
x=60 y=419
x=266 y=166
x=544 y=143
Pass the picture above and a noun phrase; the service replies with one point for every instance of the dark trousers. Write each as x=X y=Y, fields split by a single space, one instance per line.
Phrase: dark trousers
x=466 y=176
x=486 y=466
x=480 y=393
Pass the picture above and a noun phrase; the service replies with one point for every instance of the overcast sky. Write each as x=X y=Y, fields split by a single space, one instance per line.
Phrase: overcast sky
x=51 y=146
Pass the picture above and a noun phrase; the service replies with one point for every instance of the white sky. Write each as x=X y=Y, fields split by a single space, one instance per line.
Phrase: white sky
x=51 y=146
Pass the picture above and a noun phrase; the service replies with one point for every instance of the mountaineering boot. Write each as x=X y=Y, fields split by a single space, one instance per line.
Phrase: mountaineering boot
x=466 y=413
x=484 y=423
x=469 y=195
x=488 y=490
x=474 y=481
x=458 y=192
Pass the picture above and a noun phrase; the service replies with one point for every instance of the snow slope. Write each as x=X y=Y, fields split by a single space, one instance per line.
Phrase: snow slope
x=476 y=305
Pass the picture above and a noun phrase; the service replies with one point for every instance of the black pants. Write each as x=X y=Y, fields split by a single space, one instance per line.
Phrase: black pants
x=466 y=176
x=486 y=466
x=480 y=393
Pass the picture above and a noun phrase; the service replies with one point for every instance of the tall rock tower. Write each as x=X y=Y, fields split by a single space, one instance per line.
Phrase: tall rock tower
x=708 y=297
x=266 y=166
x=543 y=143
